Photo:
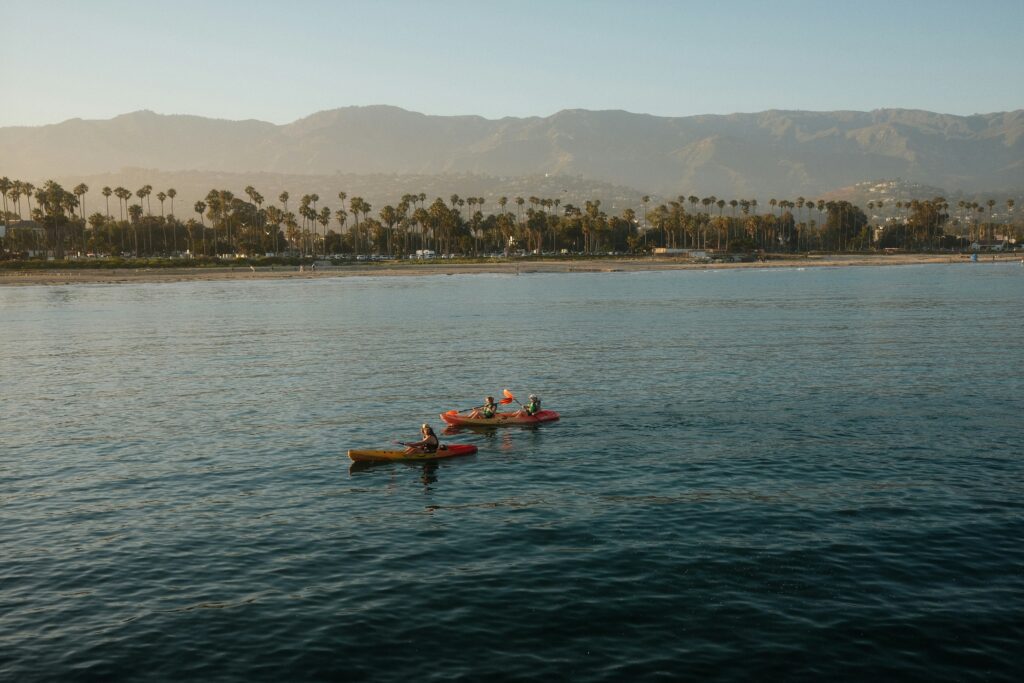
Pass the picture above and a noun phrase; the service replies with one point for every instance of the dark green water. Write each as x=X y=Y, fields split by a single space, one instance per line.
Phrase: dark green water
x=759 y=475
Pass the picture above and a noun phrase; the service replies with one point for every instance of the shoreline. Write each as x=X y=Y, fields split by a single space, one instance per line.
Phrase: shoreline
x=611 y=265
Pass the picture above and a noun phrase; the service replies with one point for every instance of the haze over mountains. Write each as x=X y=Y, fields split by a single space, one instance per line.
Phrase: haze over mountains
x=772 y=153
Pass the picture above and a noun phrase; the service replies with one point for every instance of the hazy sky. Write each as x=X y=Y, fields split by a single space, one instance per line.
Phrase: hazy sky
x=280 y=61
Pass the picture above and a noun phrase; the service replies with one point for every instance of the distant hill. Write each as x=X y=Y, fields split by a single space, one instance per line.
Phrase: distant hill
x=773 y=153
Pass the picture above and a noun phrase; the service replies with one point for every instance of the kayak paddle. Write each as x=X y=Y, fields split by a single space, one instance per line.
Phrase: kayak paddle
x=509 y=397
x=505 y=401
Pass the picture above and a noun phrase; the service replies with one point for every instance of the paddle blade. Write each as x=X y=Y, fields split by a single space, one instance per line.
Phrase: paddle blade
x=506 y=401
x=508 y=394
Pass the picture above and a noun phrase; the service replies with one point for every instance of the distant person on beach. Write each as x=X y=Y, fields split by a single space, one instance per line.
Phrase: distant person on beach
x=532 y=406
x=488 y=410
x=428 y=444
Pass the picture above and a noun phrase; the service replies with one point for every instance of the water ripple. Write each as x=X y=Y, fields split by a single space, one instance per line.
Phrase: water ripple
x=758 y=475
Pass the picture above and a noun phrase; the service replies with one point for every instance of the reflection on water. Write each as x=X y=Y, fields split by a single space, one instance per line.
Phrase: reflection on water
x=500 y=438
x=427 y=471
x=428 y=474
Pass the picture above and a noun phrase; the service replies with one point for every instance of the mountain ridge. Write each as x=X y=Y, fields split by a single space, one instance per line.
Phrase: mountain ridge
x=776 y=151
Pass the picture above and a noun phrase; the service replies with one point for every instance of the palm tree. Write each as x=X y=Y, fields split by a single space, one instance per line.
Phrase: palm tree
x=135 y=214
x=388 y=216
x=991 y=227
x=224 y=198
x=251 y=193
x=645 y=200
x=161 y=197
x=291 y=229
x=324 y=219
x=55 y=203
x=314 y=198
x=141 y=193
x=28 y=189
x=80 y=190
x=123 y=196
x=718 y=233
x=274 y=218
x=171 y=194
x=342 y=196
x=15 y=195
x=257 y=201
x=304 y=203
x=355 y=207
x=199 y=207
x=106 y=194
x=5 y=186
x=341 y=215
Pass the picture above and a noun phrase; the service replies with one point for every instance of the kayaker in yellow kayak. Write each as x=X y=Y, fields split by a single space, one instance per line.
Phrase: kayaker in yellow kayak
x=531 y=408
x=488 y=410
x=428 y=444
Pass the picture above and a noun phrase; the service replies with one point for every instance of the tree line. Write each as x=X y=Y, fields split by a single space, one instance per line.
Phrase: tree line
x=223 y=224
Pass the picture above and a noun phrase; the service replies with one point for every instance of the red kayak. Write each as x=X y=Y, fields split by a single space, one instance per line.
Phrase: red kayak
x=452 y=417
x=444 y=451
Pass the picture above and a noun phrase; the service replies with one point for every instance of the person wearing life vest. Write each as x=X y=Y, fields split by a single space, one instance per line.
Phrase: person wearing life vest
x=428 y=444
x=488 y=410
x=532 y=406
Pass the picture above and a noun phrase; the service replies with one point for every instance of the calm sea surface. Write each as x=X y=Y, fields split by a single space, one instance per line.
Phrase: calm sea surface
x=759 y=474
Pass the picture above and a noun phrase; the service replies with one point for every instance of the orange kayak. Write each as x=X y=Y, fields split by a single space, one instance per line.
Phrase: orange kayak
x=445 y=451
x=499 y=420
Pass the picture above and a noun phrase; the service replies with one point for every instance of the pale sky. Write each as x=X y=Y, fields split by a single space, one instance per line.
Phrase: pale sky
x=281 y=61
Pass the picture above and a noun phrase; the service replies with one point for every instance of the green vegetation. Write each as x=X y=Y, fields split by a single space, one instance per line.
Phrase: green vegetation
x=230 y=229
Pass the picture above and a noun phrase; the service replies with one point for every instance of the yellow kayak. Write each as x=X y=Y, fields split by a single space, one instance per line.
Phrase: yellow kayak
x=444 y=451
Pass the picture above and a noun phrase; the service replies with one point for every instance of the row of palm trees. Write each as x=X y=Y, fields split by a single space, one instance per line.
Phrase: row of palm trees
x=244 y=225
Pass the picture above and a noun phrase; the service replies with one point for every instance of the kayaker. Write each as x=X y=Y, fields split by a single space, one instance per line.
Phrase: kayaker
x=488 y=410
x=532 y=406
x=428 y=444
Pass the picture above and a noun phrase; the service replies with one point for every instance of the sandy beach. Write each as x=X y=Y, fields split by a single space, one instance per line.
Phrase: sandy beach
x=582 y=265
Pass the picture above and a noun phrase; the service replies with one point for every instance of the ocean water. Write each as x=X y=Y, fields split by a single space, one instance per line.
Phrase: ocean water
x=758 y=475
